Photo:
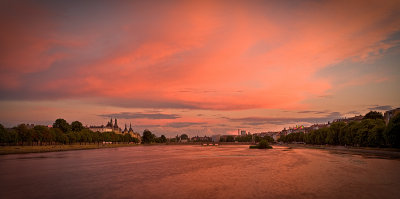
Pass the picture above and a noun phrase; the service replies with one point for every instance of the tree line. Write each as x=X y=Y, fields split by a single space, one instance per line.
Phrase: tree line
x=148 y=138
x=246 y=138
x=371 y=131
x=60 y=133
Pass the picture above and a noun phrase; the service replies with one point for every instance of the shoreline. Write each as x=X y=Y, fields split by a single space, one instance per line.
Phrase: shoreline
x=8 y=150
x=388 y=153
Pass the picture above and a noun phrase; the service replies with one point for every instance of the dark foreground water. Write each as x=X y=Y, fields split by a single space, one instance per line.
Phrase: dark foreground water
x=197 y=172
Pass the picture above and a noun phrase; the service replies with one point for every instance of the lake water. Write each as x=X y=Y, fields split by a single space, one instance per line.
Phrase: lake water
x=197 y=172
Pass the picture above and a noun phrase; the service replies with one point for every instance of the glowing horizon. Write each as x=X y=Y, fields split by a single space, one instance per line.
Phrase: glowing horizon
x=207 y=67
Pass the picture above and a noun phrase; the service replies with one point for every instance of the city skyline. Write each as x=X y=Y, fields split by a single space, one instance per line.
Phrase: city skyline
x=199 y=68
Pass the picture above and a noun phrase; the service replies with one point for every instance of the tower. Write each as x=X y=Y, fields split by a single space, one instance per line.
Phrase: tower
x=125 y=130
x=109 y=124
x=130 y=128
x=115 y=125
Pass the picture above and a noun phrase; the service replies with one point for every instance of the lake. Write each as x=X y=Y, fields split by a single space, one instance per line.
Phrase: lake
x=197 y=172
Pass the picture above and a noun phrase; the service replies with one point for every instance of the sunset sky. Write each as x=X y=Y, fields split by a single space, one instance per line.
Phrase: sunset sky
x=197 y=67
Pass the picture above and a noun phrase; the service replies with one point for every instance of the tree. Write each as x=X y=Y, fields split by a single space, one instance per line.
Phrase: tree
x=59 y=135
x=76 y=126
x=163 y=139
x=24 y=134
x=350 y=131
x=373 y=115
x=127 y=137
x=270 y=139
x=40 y=132
x=148 y=137
x=230 y=139
x=392 y=132
x=184 y=137
x=264 y=145
x=335 y=133
x=376 y=136
x=62 y=125
x=3 y=135
x=366 y=136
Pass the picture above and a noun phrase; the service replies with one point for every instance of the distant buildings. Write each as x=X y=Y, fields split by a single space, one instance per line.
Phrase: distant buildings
x=110 y=127
x=274 y=134
x=390 y=114
x=201 y=139
x=350 y=119
x=216 y=138
x=113 y=127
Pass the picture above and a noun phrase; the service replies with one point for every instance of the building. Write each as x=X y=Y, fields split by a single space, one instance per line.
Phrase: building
x=216 y=138
x=390 y=114
x=110 y=127
x=243 y=132
x=350 y=119
x=201 y=139
x=130 y=131
x=113 y=127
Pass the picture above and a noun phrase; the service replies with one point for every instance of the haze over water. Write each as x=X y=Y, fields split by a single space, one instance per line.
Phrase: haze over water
x=197 y=172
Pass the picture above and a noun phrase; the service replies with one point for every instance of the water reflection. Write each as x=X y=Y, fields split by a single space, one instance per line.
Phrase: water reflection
x=197 y=172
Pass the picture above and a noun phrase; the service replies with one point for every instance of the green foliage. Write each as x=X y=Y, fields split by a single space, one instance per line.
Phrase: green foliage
x=3 y=135
x=42 y=135
x=263 y=144
x=368 y=132
x=244 y=138
x=392 y=132
x=184 y=137
x=293 y=137
x=62 y=125
x=76 y=126
x=148 y=137
x=336 y=129
x=373 y=115
x=230 y=139
x=163 y=139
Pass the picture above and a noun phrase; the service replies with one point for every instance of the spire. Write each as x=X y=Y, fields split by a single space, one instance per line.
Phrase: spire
x=130 y=127
x=115 y=125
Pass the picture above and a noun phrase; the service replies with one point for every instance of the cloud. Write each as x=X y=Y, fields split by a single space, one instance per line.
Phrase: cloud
x=139 y=115
x=184 y=124
x=381 y=108
x=202 y=55
x=147 y=126
x=256 y=121
x=353 y=112
x=314 y=112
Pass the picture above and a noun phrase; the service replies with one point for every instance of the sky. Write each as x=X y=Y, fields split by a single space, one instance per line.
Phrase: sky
x=197 y=67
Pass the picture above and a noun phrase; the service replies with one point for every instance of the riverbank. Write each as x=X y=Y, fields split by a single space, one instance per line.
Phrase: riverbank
x=391 y=153
x=5 y=150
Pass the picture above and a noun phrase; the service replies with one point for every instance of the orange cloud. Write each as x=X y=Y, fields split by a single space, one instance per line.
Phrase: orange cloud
x=223 y=56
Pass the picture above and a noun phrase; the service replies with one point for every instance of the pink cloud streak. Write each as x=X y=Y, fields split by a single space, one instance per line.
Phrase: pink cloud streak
x=208 y=56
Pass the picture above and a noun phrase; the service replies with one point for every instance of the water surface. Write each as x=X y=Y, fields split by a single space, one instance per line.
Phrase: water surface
x=197 y=172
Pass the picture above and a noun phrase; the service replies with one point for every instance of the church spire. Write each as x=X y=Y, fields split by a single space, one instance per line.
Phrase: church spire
x=130 y=127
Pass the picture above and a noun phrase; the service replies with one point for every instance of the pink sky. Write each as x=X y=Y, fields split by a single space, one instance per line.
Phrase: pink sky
x=198 y=68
